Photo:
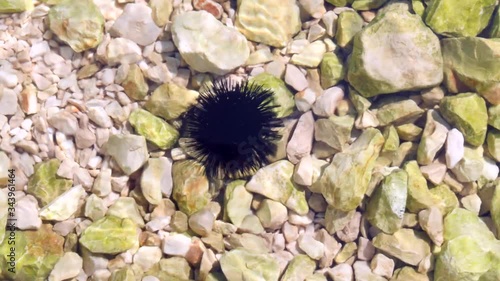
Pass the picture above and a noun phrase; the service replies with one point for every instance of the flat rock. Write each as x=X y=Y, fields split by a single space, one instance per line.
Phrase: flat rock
x=170 y=101
x=154 y=129
x=156 y=179
x=345 y=181
x=446 y=17
x=239 y=262
x=411 y=52
x=471 y=65
x=407 y=245
x=467 y=112
x=207 y=45
x=300 y=144
x=80 y=24
x=8 y=101
x=129 y=151
x=136 y=24
x=109 y=235
x=190 y=186
x=266 y=21
x=65 y=205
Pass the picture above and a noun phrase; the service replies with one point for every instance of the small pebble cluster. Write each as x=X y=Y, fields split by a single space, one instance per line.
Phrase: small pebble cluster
x=387 y=167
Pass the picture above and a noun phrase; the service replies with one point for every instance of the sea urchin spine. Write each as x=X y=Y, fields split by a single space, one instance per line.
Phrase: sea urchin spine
x=232 y=129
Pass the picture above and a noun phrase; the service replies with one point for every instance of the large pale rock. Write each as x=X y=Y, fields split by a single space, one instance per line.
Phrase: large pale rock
x=334 y=131
x=446 y=17
x=467 y=112
x=241 y=264
x=275 y=182
x=267 y=21
x=387 y=205
x=67 y=267
x=472 y=64
x=153 y=128
x=122 y=51
x=190 y=186
x=129 y=151
x=156 y=179
x=36 y=253
x=395 y=52
x=170 y=101
x=126 y=207
x=109 y=235
x=300 y=145
x=136 y=24
x=78 y=23
x=345 y=181
x=207 y=45
x=8 y=101
x=407 y=245
x=45 y=185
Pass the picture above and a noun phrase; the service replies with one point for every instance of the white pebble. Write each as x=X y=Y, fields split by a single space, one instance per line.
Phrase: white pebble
x=295 y=78
x=454 y=148
x=39 y=49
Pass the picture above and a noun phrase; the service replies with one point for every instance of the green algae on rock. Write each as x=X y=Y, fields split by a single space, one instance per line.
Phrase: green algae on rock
x=282 y=97
x=126 y=207
x=494 y=116
x=268 y=21
x=408 y=273
x=36 y=253
x=470 y=251
x=334 y=131
x=110 y=235
x=467 y=112
x=65 y=205
x=493 y=142
x=78 y=23
x=16 y=6
x=395 y=52
x=134 y=85
x=241 y=264
x=363 y=5
x=299 y=268
x=386 y=207
x=349 y=24
x=190 y=186
x=466 y=18
x=170 y=101
x=129 y=152
x=345 y=181
x=398 y=112
x=45 y=185
x=332 y=70
x=472 y=65
x=419 y=195
x=154 y=129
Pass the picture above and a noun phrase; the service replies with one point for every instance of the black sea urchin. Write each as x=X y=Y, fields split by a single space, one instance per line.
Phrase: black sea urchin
x=232 y=129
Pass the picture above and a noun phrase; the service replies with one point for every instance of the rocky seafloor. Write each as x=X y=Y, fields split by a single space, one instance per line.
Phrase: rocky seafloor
x=387 y=168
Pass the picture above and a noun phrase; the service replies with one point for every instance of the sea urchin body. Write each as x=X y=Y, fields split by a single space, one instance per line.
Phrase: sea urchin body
x=232 y=129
